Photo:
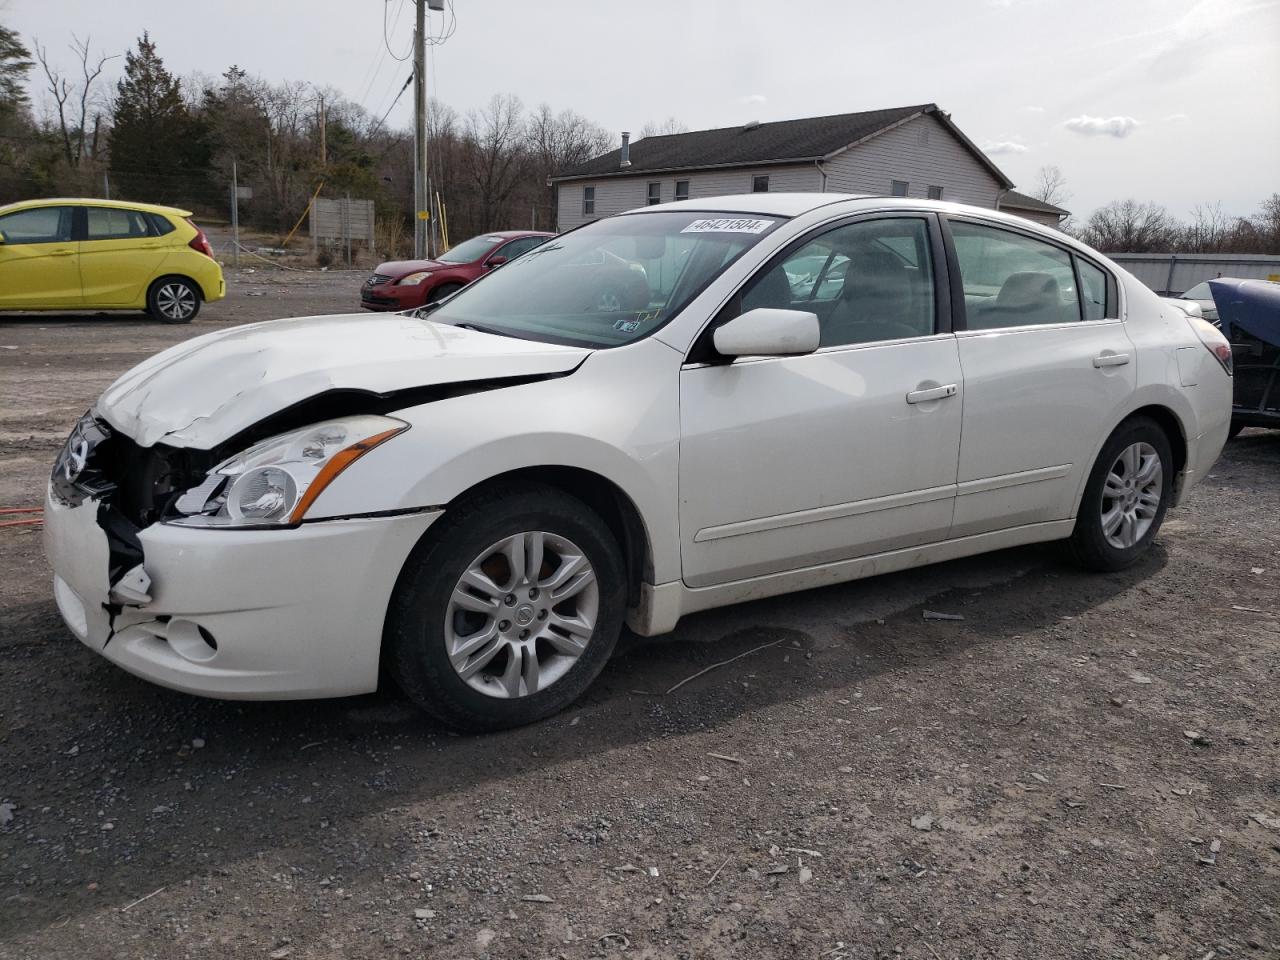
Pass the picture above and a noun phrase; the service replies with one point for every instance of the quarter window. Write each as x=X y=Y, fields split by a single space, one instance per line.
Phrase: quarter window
x=899 y=188
x=106 y=223
x=682 y=189
x=1011 y=280
x=1093 y=290
x=759 y=184
x=588 y=200
x=866 y=281
x=37 y=225
x=654 y=194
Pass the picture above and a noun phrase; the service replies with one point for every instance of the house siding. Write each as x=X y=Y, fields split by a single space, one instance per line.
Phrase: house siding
x=922 y=152
x=617 y=194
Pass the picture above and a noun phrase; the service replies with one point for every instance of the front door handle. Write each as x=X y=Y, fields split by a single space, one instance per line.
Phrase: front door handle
x=933 y=393
x=1109 y=359
x=61 y=253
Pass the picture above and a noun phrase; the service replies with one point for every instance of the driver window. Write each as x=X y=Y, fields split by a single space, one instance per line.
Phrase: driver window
x=866 y=281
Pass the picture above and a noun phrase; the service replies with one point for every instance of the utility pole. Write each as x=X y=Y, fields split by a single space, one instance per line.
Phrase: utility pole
x=324 y=153
x=421 y=195
x=235 y=214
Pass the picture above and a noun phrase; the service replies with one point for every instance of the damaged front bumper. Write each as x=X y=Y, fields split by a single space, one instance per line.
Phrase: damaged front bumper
x=236 y=614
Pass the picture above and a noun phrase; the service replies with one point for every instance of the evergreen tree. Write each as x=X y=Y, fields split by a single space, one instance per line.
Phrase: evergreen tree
x=159 y=151
x=15 y=61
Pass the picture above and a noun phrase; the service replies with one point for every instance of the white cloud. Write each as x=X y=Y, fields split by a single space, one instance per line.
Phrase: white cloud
x=753 y=98
x=997 y=147
x=1118 y=127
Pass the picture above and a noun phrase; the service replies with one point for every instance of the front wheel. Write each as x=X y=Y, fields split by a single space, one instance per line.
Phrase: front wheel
x=173 y=300
x=442 y=291
x=1126 y=497
x=508 y=610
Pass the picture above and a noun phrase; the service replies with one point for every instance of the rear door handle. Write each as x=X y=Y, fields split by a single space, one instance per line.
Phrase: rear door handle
x=933 y=393
x=61 y=253
x=1110 y=360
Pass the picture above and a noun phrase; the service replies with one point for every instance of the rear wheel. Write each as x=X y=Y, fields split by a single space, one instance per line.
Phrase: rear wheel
x=173 y=300
x=1126 y=497
x=508 y=610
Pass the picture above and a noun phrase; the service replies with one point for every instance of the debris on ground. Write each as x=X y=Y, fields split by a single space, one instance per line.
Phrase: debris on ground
x=936 y=615
x=922 y=822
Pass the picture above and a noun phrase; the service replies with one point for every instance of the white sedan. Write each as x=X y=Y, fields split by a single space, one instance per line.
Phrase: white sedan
x=678 y=408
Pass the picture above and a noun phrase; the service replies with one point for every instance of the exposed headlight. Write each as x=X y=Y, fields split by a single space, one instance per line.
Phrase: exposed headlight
x=413 y=278
x=275 y=481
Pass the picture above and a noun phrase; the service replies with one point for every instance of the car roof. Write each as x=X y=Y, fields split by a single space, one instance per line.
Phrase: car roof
x=512 y=234
x=94 y=202
x=795 y=204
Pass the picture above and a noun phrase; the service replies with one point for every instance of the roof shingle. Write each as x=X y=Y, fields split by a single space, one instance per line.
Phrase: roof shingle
x=791 y=141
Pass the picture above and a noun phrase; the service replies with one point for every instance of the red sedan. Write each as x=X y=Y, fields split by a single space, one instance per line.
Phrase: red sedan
x=405 y=284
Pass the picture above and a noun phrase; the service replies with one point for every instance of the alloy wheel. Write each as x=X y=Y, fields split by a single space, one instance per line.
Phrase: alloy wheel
x=176 y=301
x=1131 y=495
x=521 y=614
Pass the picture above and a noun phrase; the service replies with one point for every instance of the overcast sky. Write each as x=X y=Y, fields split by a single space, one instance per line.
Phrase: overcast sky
x=1176 y=101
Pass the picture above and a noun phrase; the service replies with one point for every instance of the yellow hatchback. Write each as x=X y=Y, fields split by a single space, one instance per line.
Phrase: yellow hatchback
x=105 y=255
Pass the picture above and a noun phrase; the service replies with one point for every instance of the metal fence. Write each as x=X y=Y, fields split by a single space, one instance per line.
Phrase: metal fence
x=1170 y=274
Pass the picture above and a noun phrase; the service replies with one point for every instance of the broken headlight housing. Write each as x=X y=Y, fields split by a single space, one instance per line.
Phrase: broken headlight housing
x=275 y=481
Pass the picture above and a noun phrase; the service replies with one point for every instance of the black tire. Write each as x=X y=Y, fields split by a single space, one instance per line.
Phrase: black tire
x=414 y=643
x=444 y=290
x=1236 y=427
x=173 y=300
x=1088 y=543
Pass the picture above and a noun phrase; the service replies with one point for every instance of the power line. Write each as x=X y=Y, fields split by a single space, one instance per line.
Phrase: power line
x=387 y=40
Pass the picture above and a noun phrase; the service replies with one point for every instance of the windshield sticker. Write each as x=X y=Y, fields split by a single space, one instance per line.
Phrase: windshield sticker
x=626 y=326
x=729 y=225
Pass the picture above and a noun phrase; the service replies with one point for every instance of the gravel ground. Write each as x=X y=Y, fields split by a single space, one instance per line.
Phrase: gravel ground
x=1083 y=766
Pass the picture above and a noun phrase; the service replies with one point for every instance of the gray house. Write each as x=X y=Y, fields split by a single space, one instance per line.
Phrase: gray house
x=1011 y=201
x=908 y=151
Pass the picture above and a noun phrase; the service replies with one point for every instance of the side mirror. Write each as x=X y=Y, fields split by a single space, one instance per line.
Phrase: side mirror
x=496 y=260
x=768 y=332
x=2 y=238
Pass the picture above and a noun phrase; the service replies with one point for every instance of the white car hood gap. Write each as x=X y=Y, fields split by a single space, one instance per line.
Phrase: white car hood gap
x=204 y=391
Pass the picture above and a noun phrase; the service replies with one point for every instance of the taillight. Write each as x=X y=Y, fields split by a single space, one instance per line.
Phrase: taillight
x=1214 y=342
x=200 y=242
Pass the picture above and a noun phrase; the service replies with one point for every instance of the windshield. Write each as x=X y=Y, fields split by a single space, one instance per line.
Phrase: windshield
x=469 y=250
x=1199 y=292
x=610 y=283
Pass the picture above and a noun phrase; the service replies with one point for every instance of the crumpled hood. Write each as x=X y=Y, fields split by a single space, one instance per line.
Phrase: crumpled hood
x=206 y=390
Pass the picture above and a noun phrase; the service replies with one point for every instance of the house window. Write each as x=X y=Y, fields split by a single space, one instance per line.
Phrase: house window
x=898 y=188
x=935 y=193
x=588 y=200
x=682 y=189
x=655 y=194
x=759 y=184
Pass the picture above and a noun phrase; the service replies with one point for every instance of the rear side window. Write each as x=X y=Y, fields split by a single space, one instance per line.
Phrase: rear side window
x=107 y=223
x=37 y=225
x=160 y=225
x=1012 y=280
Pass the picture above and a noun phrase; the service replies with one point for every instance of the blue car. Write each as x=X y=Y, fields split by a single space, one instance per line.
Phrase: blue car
x=1249 y=316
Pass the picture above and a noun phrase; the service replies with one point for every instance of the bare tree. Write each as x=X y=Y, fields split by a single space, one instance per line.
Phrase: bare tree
x=558 y=142
x=1210 y=230
x=1051 y=186
x=664 y=128
x=73 y=97
x=495 y=158
x=1131 y=227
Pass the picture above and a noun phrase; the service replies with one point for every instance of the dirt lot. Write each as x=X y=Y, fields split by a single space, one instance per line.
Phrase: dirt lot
x=1083 y=766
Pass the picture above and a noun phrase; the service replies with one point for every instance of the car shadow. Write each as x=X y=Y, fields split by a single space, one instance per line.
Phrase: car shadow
x=275 y=775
